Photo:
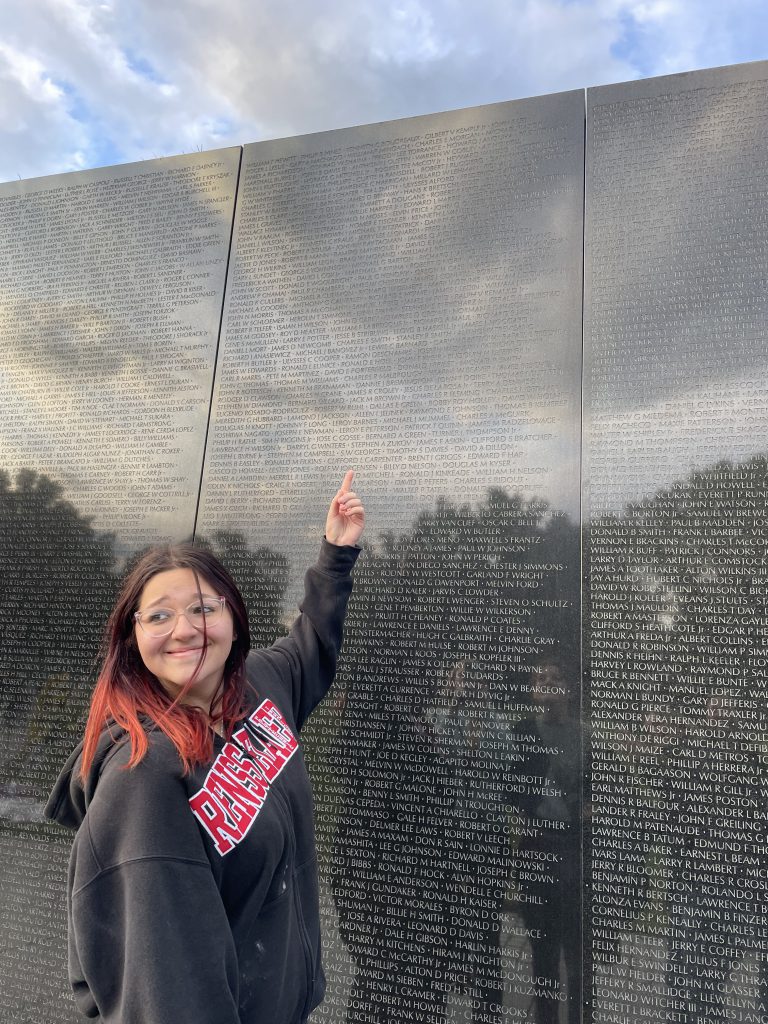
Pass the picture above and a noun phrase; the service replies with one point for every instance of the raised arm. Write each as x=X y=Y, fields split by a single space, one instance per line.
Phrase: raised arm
x=305 y=660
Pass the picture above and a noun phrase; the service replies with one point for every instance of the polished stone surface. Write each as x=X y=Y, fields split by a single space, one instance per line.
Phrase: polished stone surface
x=112 y=285
x=676 y=480
x=405 y=299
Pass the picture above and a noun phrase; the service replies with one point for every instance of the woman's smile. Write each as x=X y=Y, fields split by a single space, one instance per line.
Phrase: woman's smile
x=187 y=661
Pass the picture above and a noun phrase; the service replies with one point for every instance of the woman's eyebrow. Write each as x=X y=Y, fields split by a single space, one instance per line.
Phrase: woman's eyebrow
x=167 y=599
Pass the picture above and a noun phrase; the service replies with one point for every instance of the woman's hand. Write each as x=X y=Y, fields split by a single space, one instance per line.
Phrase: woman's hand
x=346 y=516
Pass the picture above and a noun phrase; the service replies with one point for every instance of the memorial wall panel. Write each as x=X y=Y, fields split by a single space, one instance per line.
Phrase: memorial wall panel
x=405 y=299
x=111 y=289
x=676 y=392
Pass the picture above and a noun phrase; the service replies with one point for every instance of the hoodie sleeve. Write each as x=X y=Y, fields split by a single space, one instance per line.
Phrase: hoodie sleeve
x=149 y=939
x=305 y=660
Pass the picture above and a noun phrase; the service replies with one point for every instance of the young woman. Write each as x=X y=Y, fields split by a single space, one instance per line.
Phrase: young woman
x=192 y=891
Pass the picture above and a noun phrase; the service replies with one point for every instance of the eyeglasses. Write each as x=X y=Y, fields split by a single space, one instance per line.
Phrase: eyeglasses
x=200 y=614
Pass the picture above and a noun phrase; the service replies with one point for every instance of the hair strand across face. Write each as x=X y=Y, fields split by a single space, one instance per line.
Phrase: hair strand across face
x=129 y=696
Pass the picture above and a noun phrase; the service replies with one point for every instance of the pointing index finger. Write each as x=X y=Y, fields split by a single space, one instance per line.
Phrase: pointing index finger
x=346 y=483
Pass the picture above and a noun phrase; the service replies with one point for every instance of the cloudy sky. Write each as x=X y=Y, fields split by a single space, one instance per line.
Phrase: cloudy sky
x=85 y=83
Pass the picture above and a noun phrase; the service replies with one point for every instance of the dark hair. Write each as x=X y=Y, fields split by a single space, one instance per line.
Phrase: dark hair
x=126 y=690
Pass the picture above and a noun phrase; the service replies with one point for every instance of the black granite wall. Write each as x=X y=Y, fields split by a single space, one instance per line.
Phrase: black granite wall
x=540 y=776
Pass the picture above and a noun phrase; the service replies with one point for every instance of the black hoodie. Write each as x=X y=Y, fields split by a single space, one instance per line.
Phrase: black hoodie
x=192 y=899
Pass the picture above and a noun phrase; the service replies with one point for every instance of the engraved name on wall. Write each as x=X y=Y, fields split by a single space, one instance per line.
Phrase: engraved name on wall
x=676 y=484
x=111 y=287
x=404 y=299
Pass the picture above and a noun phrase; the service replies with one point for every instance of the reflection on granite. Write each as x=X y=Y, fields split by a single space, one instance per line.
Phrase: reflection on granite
x=111 y=299
x=406 y=299
x=675 y=605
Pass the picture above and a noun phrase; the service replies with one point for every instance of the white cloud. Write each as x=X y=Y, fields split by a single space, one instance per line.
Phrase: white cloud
x=37 y=134
x=130 y=80
x=653 y=10
x=668 y=36
x=29 y=74
x=86 y=83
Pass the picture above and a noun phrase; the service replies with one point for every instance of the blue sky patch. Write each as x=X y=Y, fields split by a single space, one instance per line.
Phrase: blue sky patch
x=141 y=66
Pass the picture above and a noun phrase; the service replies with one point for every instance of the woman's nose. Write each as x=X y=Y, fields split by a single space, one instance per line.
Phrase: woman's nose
x=183 y=627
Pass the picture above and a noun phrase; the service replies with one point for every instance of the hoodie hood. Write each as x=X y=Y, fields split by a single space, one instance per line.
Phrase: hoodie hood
x=70 y=798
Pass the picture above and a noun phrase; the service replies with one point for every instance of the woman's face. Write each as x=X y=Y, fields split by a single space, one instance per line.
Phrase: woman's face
x=174 y=658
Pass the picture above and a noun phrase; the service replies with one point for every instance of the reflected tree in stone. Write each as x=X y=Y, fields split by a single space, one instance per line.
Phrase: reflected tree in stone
x=445 y=626
x=58 y=583
x=685 y=620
